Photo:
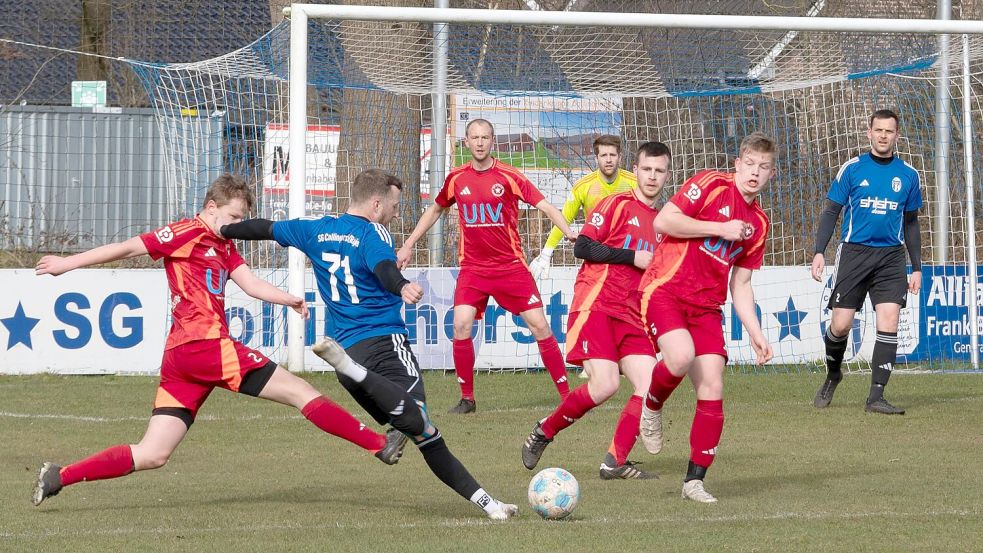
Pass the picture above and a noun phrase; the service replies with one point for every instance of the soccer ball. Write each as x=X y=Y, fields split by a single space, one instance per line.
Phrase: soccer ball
x=553 y=493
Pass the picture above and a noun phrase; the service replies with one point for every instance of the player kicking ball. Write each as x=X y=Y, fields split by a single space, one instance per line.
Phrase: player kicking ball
x=604 y=331
x=355 y=267
x=199 y=355
x=714 y=228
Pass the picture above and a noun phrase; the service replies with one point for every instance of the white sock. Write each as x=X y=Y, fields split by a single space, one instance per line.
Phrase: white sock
x=351 y=369
x=485 y=501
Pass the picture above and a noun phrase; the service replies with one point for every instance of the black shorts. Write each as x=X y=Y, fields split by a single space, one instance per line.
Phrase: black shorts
x=391 y=357
x=881 y=272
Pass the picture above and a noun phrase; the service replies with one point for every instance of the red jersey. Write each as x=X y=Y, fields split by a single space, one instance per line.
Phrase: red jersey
x=696 y=270
x=618 y=221
x=198 y=264
x=488 y=212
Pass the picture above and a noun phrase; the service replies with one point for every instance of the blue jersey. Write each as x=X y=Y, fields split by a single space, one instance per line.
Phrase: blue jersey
x=344 y=252
x=876 y=195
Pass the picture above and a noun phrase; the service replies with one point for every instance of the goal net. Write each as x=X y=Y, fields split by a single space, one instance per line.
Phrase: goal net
x=550 y=90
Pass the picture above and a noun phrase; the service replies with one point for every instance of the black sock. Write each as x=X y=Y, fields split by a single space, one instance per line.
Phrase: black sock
x=835 y=348
x=695 y=472
x=447 y=468
x=882 y=363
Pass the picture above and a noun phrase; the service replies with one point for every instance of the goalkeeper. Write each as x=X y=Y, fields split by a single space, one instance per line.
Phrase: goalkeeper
x=606 y=180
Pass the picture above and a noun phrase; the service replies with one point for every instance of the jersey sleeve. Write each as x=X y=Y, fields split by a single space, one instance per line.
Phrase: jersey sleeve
x=692 y=195
x=839 y=190
x=445 y=198
x=174 y=240
x=915 y=196
x=597 y=227
x=570 y=209
x=526 y=191
x=235 y=260
x=294 y=232
x=378 y=246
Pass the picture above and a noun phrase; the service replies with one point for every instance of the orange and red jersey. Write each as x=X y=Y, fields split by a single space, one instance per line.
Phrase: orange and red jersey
x=696 y=270
x=198 y=264
x=618 y=221
x=488 y=212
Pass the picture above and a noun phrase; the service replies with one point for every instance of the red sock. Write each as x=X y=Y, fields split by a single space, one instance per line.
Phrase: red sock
x=334 y=419
x=662 y=386
x=626 y=432
x=573 y=406
x=704 y=437
x=464 y=366
x=109 y=463
x=549 y=350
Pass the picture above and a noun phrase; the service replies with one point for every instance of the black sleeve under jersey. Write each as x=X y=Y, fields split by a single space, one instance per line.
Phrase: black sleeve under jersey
x=589 y=249
x=250 y=229
x=913 y=239
x=390 y=277
x=827 y=223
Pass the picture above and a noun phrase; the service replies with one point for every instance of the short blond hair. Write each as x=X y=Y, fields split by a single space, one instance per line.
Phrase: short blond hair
x=758 y=142
x=229 y=187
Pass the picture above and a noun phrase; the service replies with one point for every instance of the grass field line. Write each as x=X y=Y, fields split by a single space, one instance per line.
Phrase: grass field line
x=527 y=519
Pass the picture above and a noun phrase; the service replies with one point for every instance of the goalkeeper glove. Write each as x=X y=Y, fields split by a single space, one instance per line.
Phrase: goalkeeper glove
x=540 y=267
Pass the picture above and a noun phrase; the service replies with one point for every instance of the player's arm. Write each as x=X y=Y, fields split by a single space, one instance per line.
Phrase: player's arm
x=827 y=223
x=395 y=283
x=672 y=221
x=913 y=242
x=429 y=218
x=250 y=229
x=588 y=249
x=56 y=265
x=743 y=298
x=554 y=215
x=540 y=267
x=260 y=289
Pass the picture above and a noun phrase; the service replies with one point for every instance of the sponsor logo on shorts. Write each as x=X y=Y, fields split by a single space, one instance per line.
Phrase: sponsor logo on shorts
x=584 y=345
x=533 y=299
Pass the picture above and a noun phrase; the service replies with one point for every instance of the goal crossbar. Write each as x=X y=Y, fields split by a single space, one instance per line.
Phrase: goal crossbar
x=655 y=20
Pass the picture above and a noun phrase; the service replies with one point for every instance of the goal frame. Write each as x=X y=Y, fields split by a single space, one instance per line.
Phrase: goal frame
x=300 y=14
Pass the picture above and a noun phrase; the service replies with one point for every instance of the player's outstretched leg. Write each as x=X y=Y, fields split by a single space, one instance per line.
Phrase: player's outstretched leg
x=385 y=396
x=451 y=472
x=835 y=349
x=534 y=446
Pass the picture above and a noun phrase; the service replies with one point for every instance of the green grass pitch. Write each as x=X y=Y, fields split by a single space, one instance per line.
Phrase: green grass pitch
x=255 y=476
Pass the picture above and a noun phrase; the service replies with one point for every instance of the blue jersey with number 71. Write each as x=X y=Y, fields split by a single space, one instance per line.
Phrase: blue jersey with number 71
x=344 y=252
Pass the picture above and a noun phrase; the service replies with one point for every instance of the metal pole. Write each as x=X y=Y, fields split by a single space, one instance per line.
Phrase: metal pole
x=438 y=132
x=968 y=137
x=298 y=177
x=943 y=135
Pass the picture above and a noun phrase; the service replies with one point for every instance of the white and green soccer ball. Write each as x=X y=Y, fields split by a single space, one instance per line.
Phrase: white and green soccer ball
x=553 y=493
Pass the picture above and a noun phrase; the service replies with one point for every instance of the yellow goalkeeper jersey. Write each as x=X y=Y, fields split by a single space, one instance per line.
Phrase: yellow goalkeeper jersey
x=586 y=193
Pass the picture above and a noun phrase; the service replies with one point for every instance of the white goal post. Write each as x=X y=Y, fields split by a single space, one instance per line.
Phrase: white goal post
x=300 y=14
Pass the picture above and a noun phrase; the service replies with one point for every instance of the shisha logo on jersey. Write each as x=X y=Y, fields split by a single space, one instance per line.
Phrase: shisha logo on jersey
x=856 y=340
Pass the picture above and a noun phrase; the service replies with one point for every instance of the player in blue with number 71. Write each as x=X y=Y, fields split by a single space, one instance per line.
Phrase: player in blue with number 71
x=355 y=267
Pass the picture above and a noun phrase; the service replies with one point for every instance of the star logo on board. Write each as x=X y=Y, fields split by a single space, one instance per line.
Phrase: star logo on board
x=790 y=320
x=19 y=327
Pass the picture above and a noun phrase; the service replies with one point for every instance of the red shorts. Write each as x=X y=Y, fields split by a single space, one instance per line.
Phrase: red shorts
x=514 y=289
x=597 y=335
x=663 y=313
x=189 y=372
